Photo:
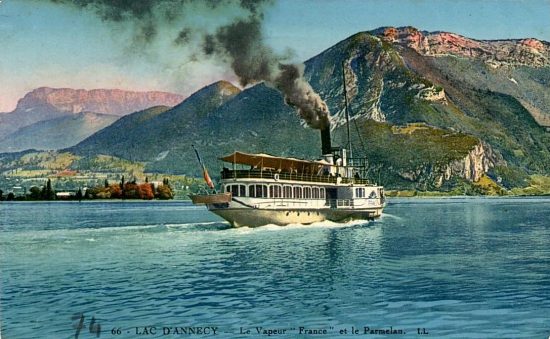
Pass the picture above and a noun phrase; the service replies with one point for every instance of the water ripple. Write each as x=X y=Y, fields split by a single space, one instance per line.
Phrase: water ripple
x=458 y=267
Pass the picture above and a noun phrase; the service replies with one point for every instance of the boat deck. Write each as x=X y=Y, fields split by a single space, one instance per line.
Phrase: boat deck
x=257 y=174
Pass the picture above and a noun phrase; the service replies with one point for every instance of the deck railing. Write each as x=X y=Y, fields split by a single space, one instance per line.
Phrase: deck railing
x=256 y=174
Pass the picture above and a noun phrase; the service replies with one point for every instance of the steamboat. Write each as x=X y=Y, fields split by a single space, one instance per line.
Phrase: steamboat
x=261 y=189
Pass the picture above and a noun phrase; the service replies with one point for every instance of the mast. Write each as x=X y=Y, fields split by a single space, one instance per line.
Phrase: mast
x=346 y=109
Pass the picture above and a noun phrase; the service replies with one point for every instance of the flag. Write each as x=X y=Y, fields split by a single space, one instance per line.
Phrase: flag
x=207 y=178
x=204 y=171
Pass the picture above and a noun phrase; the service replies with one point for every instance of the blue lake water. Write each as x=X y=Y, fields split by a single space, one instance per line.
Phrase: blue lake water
x=455 y=268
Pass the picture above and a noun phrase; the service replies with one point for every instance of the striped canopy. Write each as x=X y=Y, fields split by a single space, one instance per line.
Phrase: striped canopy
x=266 y=161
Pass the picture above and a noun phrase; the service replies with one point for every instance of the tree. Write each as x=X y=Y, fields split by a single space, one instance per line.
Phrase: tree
x=164 y=192
x=122 y=187
x=1 y=193
x=79 y=194
x=35 y=193
x=115 y=191
x=47 y=191
x=145 y=192
x=11 y=197
x=106 y=184
x=131 y=191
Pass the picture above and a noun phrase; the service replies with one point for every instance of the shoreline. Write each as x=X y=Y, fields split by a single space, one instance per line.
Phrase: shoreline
x=390 y=197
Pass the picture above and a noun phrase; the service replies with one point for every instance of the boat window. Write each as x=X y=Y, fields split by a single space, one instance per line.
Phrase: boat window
x=307 y=192
x=275 y=191
x=297 y=192
x=235 y=190
x=242 y=190
x=360 y=193
x=315 y=192
x=258 y=191
x=287 y=192
x=322 y=193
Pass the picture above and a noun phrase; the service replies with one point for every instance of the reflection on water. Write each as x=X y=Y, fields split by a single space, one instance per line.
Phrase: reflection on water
x=457 y=267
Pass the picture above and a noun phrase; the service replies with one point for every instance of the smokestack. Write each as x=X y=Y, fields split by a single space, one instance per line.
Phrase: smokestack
x=326 y=146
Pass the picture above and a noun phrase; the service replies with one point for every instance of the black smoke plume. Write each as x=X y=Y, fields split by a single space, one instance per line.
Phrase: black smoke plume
x=240 y=43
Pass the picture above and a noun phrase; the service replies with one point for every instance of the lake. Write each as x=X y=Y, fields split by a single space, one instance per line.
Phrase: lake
x=453 y=268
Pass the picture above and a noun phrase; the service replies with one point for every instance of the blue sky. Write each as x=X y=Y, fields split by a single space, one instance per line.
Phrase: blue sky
x=42 y=44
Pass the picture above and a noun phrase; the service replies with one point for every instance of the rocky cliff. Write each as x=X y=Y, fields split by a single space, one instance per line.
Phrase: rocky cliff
x=527 y=52
x=104 y=101
x=472 y=167
x=50 y=103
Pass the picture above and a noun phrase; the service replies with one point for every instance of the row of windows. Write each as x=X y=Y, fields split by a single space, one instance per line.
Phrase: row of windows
x=276 y=191
x=360 y=193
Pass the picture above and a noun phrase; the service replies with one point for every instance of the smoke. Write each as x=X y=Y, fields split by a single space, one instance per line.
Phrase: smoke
x=239 y=43
x=299 y=94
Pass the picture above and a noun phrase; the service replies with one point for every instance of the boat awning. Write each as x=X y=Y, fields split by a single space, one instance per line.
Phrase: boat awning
x=266 y=161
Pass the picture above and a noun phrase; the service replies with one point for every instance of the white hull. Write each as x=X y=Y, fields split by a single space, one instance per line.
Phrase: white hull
x=239 y=217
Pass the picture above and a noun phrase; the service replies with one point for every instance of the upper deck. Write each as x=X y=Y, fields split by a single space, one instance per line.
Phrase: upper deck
x=289 y=176
x=268 y=167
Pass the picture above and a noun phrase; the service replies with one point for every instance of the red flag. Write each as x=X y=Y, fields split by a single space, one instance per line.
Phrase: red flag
x=204 y=171
x=207 y=178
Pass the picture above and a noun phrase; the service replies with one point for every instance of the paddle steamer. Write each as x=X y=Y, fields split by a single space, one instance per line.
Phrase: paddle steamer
x=261 y=189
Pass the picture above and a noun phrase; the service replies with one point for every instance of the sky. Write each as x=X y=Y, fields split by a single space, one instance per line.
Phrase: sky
x=56 y=44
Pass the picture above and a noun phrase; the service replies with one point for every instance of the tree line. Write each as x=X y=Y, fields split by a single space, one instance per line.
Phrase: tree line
x=120 y=190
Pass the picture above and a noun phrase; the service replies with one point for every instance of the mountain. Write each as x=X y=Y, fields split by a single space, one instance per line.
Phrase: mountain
x=401 y=76
x=145 y=135
x=430 y=111
x=56 y=133
x=49 y=103
x=520 y=68
x=218 y=119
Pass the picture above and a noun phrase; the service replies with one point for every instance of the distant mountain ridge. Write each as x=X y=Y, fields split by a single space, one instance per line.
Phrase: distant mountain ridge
x=103 y=101
x=56 y=133
x=46 y=103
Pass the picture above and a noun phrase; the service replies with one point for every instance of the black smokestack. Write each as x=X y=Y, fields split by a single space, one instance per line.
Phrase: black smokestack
x=326 y=146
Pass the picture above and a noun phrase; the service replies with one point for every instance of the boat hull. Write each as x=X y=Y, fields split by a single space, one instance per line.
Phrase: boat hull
x=239 y=217
x=218 y=198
